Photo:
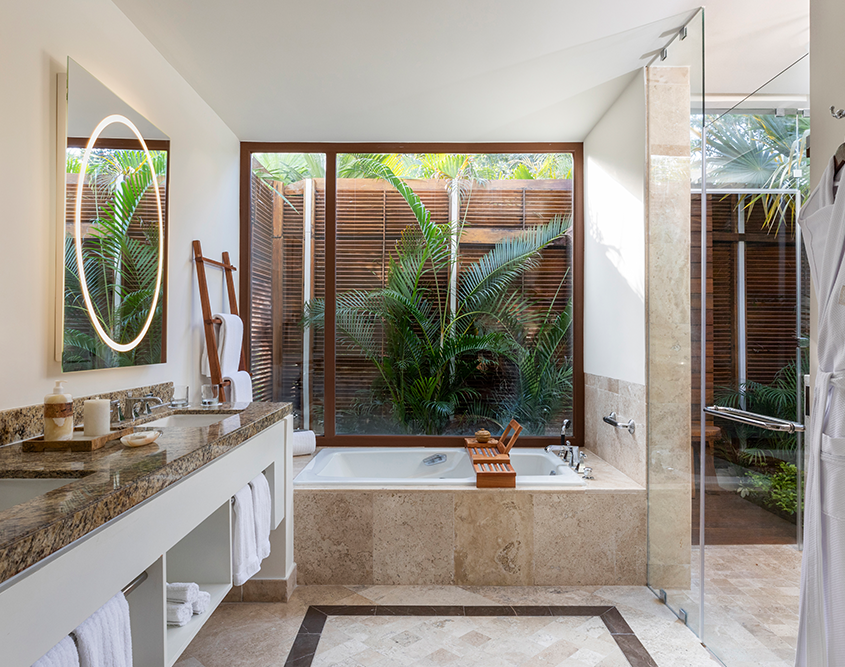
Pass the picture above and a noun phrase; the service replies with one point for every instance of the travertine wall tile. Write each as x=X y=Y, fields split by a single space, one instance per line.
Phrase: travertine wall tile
x=413 y=538
x=494 y=538
x=668 y=338
x=598 y=541
x=333 y=537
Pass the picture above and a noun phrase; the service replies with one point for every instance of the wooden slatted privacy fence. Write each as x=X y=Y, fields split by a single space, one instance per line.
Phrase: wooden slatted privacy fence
x=770 y=295
x=370 y=218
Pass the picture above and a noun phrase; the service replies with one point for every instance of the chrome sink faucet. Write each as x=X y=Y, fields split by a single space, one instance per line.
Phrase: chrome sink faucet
x=136 y=405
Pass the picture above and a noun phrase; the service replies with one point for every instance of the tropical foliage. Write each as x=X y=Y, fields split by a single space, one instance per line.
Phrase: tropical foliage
x=756 y=151
x=120 y=254
x=447 y=355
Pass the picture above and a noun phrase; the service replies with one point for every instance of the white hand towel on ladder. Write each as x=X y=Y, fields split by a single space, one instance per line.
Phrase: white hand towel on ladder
x=240 y=389
x=245 y=561
x=104 y=639
x=63 y=654
x=261 y=508
x=230 y=338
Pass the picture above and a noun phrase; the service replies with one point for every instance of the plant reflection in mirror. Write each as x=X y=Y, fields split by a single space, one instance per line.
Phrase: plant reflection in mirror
x=120 y=251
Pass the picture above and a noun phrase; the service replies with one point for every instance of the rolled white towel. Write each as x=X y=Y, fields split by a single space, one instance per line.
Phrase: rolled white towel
x=179 y=614
x=63 y=654
x=181 y=593
x=104 y=639
x=304 y=442
x=200 y=605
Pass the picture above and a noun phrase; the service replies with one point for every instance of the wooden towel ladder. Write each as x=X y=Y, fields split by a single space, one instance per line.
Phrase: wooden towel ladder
x=209 y=321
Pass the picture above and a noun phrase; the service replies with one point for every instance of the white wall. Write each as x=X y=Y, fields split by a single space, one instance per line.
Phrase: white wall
x=614 y=239
x=35 y=40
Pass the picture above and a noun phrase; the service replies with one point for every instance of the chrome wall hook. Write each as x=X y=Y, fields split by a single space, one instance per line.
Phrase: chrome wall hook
x=838 y=114
x=617 y=423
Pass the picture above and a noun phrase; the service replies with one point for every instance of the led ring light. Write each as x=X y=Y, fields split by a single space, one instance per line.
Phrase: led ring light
x=77 y=235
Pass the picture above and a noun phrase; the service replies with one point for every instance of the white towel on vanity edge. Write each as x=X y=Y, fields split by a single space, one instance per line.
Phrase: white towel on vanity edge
x=240 y=389
x=261 y=510
x=200 y=605
x=304 y=442
x=63 y=654
x=179 y=614
x=230 y=336
x=180 y=593
x=245 y=561
x=104 y=639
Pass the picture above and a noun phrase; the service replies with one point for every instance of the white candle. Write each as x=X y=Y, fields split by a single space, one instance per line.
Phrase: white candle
x=96 y=416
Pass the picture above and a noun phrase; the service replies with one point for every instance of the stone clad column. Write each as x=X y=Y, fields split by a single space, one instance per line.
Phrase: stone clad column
x=668 y=369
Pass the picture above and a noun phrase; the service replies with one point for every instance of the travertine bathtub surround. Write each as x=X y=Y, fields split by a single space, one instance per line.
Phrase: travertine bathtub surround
x=27 y=422
x=603 y=395
x=668 y=335
x=474 y=537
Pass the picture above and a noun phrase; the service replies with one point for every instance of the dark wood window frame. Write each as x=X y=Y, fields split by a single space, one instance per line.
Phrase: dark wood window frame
x=331 y=150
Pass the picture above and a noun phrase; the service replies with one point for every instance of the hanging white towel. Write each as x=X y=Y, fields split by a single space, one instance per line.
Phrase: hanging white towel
x=104 y=639
x=245 y=561
x=179 y=593
x=230 y=336
x=63 y=654
x=304 y=442
x=240 y=389
x=200 y=605
x=179 y=614
x=261 y=509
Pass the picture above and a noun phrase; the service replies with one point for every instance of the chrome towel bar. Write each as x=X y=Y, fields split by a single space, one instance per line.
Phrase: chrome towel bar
x=618 y=423
x=753 y=419
x=137 y=581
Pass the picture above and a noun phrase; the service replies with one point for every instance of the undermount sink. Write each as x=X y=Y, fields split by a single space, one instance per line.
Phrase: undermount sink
x=186 y=421
x=14 y=491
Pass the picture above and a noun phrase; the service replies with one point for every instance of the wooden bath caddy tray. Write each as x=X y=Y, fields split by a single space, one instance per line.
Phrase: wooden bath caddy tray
x=494 y=475
x=492 y=461
x=79 y=443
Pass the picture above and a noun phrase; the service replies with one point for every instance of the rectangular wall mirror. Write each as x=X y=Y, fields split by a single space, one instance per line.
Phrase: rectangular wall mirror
x=112 y=249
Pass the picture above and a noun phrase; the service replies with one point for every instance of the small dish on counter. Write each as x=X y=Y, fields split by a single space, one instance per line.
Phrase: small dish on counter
x=140 y=438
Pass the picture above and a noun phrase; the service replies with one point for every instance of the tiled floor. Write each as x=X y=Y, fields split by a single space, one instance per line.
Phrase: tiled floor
x=751 y=603
x=261 y=635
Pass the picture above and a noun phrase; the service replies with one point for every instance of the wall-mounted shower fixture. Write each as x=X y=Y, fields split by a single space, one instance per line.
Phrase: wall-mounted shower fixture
x=618 y=423
x=838 y=114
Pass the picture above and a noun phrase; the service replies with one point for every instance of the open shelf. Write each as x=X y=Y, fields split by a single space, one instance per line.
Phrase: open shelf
x=178 y=638
x=203 y=556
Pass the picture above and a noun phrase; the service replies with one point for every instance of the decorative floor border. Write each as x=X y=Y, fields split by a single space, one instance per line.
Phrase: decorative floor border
x=305 y=644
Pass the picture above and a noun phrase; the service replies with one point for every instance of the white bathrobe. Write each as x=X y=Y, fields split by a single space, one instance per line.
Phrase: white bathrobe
x=821 y=632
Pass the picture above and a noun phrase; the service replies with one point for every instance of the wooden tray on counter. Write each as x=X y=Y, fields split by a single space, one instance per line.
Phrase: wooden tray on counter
x=79 y=443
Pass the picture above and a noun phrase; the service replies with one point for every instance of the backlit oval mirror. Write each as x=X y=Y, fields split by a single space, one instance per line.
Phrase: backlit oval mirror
x=115 y=231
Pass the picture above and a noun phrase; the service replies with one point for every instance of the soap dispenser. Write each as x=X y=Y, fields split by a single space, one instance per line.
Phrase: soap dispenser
x=58 y=414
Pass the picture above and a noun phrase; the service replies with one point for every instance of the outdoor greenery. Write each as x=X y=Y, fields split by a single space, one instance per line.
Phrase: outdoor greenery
x=120 y=267
x=492 y=356
x=756 y=151
x=778 y=490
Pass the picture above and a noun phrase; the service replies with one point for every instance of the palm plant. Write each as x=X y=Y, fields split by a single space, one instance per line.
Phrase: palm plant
x=429 y=348
x=121 y=266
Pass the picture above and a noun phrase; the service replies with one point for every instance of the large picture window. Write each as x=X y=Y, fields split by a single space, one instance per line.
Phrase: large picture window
x=415 y=293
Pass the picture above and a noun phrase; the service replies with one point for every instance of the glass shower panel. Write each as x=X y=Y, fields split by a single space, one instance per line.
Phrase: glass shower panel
x=757 y=176
x=674 y=99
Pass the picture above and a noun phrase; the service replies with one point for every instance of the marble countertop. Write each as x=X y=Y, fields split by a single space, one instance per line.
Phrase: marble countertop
x=112 y=480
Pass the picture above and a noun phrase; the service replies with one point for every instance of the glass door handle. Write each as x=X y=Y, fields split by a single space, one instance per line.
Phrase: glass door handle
x=753 y=419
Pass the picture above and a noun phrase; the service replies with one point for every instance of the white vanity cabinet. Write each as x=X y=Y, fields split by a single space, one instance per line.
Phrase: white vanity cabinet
x=182 y=533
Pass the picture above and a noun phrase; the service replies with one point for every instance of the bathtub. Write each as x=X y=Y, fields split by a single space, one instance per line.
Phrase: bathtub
x=377 y=467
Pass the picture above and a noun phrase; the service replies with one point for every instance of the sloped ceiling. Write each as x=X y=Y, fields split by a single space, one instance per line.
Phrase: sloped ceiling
x=466 y=70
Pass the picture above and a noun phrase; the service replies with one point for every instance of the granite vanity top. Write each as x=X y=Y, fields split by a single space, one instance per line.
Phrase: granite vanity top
x=113 y=479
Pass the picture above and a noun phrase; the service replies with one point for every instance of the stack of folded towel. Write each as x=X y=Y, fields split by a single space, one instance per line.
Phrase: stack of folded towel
x=184 y=600
x=251 y=529
x=104 y=639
